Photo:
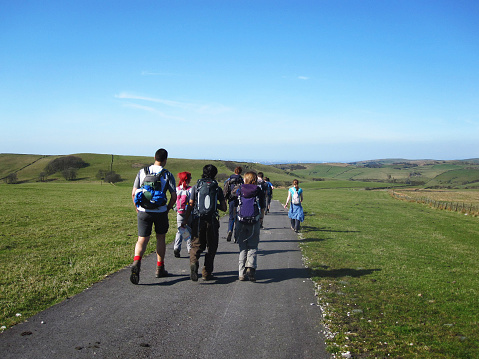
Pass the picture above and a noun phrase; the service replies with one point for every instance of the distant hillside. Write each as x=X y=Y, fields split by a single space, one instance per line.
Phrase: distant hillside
x=424 y=173
x=29 y=167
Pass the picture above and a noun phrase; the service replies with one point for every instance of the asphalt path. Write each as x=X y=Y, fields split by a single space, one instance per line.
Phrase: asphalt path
x=174 y=317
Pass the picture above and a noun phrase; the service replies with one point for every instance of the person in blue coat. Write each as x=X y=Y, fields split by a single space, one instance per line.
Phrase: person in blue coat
x=296 y=213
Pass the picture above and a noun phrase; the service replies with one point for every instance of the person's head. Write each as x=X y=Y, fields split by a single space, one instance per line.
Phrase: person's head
x=296 y=183
x=209 y=171
x=266 y=179
x=260 y=175
x=250 y=178
x=161 y=155
x=238 y=170
x=185 y=178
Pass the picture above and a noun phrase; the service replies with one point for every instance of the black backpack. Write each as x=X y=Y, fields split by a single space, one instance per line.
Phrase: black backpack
x=231 y=185
x=206 y=197
x=151 y=194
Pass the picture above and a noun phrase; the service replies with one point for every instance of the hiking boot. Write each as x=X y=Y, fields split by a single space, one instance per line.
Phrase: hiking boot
x=135 y=272
x=194 y=272
x=251 y=274
x=161 y=272
x=177 y=253
x=230 y=234
x=241 y=278
x=208 y=277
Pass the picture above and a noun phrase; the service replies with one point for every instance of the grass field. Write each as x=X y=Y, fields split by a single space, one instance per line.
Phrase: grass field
x=395 y=279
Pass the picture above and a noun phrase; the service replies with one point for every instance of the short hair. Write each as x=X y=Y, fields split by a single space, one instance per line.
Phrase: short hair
x=260 y=174
x=250 y=178
x=161 y=155
x=238 y=170
x=295 y=181
x=209 y=171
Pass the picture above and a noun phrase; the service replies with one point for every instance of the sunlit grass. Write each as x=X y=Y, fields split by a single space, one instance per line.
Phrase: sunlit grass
x=394 y=278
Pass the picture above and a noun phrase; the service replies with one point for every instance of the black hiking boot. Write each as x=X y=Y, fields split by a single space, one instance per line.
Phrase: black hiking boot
x=161 y=272
x=230 y=234
x=135 y=272
x=251 y=274
x=177 y=253
x=194 y=272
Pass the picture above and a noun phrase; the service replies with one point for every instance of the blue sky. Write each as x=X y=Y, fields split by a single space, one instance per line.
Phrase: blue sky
x=280 y=81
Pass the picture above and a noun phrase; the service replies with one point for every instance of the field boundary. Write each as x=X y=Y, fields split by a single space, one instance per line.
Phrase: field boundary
x=461 y=207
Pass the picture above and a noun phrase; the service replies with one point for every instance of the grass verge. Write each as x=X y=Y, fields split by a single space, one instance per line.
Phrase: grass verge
x=57 y=239
x=395 y=279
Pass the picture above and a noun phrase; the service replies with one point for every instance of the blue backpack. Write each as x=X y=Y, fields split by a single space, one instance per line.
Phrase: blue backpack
x=151 y=195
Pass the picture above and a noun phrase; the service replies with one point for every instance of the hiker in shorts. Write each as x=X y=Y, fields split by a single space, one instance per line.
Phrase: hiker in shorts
x=251 y=207
x=296 y=213
x=269 y=194
x=152 y=208
x=206 y=198
x=230 y=184
x=183 y=193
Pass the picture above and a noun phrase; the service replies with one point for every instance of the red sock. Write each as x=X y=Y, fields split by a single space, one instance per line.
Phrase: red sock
x=159 y=264
x=137 y=258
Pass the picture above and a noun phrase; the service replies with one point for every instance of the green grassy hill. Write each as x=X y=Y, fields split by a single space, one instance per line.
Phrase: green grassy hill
x=425 y=173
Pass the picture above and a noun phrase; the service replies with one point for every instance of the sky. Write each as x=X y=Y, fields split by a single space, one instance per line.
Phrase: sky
x=265 y=81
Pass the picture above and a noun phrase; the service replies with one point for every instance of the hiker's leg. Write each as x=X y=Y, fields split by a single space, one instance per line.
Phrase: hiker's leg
x=161 y=227
x=253 y=242
x=212 y=236
x=178 y=238
x=232 y=211
x=243 y=247
x=140 y=246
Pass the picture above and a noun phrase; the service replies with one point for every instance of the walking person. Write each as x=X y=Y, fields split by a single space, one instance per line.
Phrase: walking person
x=264 y=187
x=269 y=194
x=206 y=198
x=295 y=213
x=183 y=193
x=152 y=207
x=229 y=186
x=251 y=207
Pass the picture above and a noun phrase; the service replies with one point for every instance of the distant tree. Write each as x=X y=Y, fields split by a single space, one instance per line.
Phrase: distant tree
x=69 y=174
x=64 y=163
x=11 y=178
x=112 y=177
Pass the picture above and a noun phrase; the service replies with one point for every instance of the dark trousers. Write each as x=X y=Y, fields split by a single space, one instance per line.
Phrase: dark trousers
x=295 y=223
x=232 y=209
x=205 y=235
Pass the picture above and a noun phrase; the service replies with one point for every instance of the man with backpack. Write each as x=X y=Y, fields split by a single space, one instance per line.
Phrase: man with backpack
x=264 y=187
x=206 y=198
x=149 y=196
x=269 y=194
x=228 y=190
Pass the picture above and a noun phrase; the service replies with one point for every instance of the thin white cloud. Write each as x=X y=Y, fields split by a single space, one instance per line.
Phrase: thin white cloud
x=209 y=109
x=303 y=78
x=154 y=111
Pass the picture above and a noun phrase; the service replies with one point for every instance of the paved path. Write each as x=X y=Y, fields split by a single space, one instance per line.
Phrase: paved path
x=173 y=317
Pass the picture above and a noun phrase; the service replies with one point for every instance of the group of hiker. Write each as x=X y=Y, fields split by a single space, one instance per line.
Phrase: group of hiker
x=248 y=199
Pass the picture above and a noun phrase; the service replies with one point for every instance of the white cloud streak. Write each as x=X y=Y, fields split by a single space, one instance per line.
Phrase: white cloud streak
x=208 y=109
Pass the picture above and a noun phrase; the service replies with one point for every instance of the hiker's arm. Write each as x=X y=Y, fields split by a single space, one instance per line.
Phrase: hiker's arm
x=133 y=193
x=287 y=199
x=187 y=214
x=223 y=205
x=172 y=201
